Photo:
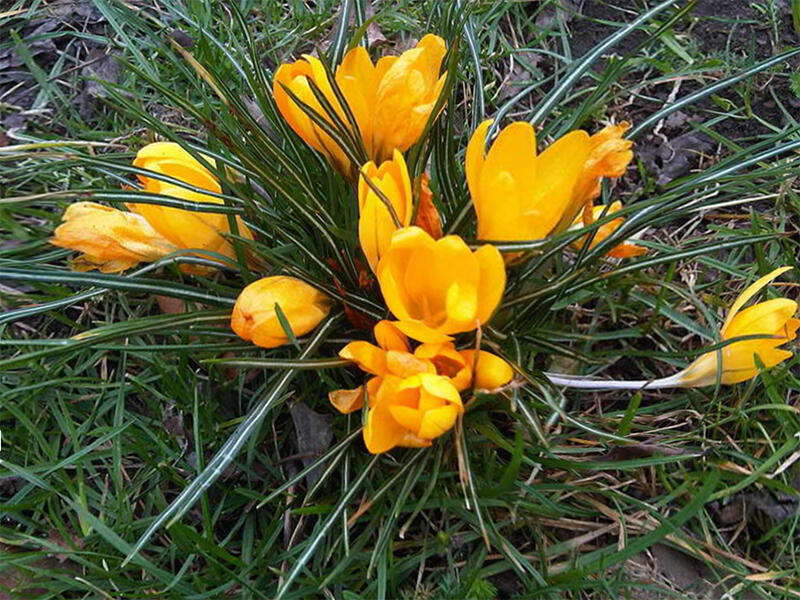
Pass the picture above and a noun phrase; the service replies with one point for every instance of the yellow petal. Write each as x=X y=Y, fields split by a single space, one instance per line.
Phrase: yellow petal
x=491 y=371
x=437 y=421
x=421 y=332
x=369 y=358
x=767 y=317
x=474 y=162
x=390 y=337
x=560 y=166
x=381 y=431
x=751 y=291
x=491 y=280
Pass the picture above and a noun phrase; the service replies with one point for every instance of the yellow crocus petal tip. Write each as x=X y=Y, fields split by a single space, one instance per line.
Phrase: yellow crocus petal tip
x=255 y=318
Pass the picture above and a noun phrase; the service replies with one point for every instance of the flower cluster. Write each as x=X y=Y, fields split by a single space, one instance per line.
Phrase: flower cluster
x=439 y=291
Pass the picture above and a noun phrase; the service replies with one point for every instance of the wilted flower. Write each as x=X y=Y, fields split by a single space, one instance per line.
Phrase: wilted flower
x=184 y=228
x=390 y=101
x=375 y=223
x=436 y=288
x=623 y=250
x=255 y=316
x=111 y=240
x=773 y=319
x=609 y=156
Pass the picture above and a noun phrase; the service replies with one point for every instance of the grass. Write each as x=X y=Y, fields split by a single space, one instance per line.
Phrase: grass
x=111 y=407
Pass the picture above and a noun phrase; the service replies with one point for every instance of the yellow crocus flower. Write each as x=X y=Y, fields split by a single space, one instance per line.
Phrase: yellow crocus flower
x=390 y=100
x=774 y=319
x=375 y=223
x=521 y=196
x=255 y=318
x=393 y=356
x=184 y=228
x=411 y=412
x=109 y=239
x=436 y=288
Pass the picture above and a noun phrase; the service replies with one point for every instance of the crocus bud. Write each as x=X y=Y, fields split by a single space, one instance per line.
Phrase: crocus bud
x=255 y=317
x=375 y=223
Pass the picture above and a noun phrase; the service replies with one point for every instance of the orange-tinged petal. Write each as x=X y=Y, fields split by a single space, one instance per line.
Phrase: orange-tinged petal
x=428 y=217
x=390 y=337
x=347 y=401
x=369 y=358
x=405 y=364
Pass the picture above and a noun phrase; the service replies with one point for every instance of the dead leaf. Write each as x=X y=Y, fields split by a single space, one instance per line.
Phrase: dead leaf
x=634 y=451
x=674 y=158
x=314 y=435
x=171 y=306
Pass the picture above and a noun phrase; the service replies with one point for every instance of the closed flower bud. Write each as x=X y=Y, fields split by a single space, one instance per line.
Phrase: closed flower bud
x=255 y=317
x=491 y=371
x=111 y=240
x=436 y=288
x=185 y=229
x=391 y=101
x=376 y=223
x=774 y=320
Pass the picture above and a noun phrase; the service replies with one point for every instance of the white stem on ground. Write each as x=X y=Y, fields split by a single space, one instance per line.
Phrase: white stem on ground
x=585 y=383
